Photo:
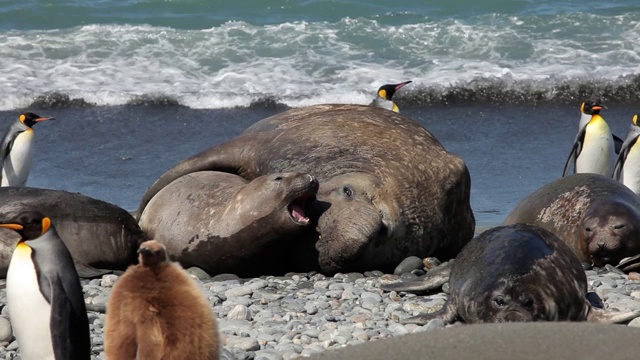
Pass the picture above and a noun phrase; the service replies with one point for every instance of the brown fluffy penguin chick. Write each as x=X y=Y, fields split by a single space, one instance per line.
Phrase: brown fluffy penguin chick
x=157 y=311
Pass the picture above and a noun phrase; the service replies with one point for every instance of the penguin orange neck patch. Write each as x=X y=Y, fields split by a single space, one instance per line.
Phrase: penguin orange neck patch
x=23 y=249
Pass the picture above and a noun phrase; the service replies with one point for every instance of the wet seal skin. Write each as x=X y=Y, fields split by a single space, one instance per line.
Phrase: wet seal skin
x=598 y=217
x=515 y=273
x=224 y=224
x=98 y=234
x=388 y=188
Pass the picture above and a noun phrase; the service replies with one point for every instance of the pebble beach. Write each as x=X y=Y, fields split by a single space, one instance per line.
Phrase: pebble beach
x=301 y=314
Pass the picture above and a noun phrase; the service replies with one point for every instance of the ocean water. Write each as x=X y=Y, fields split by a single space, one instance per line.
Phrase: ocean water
x=220 y=54
x=137 y=86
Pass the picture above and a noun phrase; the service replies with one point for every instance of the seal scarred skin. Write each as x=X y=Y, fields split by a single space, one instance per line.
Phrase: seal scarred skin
x=388 y=188
x=516 y=273
x=599 y=218
x=97 y=233
x=224 y=224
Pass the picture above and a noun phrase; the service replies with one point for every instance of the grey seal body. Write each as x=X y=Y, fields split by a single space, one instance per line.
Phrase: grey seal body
x=224 y=224
x=516 y=273
x=388 y=188
x=97 y=234
x=598 y=217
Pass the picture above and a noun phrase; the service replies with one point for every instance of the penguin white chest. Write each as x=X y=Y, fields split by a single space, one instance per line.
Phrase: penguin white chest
x=598 y=152
x=17 y=165
x=631 y=169
x=29 y=311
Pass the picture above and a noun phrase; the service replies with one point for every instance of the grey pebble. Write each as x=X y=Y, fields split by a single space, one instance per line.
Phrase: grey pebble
x=408 y=264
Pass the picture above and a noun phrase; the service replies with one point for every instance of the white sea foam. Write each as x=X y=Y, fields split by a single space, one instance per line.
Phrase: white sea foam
x=303 y=63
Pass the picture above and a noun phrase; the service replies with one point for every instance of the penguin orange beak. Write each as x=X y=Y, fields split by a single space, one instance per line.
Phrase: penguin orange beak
x=597 y=107
x=16 y=227
x=145 y=251
x=403 y=84
x=44 y=119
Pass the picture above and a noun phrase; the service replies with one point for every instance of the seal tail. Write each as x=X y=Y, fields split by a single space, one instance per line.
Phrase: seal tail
x=448 y=314
x=629 y=264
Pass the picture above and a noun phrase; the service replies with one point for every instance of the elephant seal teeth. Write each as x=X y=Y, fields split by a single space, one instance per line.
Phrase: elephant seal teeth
x=297 y=208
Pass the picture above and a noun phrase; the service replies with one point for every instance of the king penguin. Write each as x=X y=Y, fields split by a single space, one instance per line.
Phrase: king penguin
x=627 y=167
x=16 y=151
x=46 y=305
x=593 y=149
x=385 y=94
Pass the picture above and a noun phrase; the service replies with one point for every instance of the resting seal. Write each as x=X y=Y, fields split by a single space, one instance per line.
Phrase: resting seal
x=516 y=273
x=388 y=188
x=225 y=224
x=96 y=233
x=599 y=218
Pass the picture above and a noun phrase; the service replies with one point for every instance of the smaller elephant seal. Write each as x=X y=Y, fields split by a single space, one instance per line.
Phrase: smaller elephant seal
x=224 y=224
x=98 y=234
x=516 y=273
x=598 y=217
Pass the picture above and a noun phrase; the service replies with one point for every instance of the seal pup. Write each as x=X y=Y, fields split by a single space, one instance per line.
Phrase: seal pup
x=98 y=234
x=593 y=150
x=516 y=273
x=388 y=188
x=627 y=167
x=157 y=311
x=46 y=305
x=224 y=224
x=385 y=94
x=16 y=151
x=598 y=217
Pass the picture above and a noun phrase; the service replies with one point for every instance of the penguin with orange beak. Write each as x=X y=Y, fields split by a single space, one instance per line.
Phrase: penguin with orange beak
x=44 y=295
x=16 y=150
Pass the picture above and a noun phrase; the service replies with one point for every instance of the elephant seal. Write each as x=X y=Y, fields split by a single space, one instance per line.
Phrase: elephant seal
x=97 y=234
x=224 y=224
x=388 y=188
x=516 y=273
x=598 y=217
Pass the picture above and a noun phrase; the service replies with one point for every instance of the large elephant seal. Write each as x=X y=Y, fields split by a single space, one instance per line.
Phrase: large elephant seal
x=516 y=273
x=388 y=188
x=97 y=233
x=225 y=224
x=598 y=217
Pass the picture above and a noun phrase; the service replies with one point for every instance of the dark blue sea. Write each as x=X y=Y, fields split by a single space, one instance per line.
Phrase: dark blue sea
x=138 y=85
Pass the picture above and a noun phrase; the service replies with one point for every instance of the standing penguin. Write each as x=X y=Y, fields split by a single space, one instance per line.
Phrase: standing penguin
x=46 y=305
x=593 y=150
x=157 y=311
x=627 y=167
x=16 y=151
x=385 y=94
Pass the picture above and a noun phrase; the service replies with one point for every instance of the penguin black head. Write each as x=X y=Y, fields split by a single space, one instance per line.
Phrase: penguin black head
x=387 y=91
x=592 y=107
x=152 y=253
x=30 y=119
x=30 y=225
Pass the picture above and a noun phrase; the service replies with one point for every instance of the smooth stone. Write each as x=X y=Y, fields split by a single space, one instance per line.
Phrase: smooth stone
x=108 y=280
x=6 y=332
x=224 y=277
x=408 y=264
x=199 y=273
x=244 y=343
x=239 y=312
x=431 y=262
x=267 y=355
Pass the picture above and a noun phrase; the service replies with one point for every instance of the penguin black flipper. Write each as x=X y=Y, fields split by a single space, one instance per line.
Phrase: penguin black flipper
x=66 y=324
x=629 y=142
x=61 y=288
x=5 y=147
x=575 y=151
x=617 y=143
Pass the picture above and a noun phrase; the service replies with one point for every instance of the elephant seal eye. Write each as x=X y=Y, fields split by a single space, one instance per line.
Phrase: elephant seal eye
x=278 y=178
x=527 y=304
x=587 y=229
x=499 y=301
x=348 y=192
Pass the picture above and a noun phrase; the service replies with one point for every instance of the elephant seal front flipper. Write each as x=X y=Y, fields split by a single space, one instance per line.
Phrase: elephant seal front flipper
x=88 y=272
x=432 y=280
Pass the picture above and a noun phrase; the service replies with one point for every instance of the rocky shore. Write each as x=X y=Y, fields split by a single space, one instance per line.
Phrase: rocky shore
x=285 y=317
